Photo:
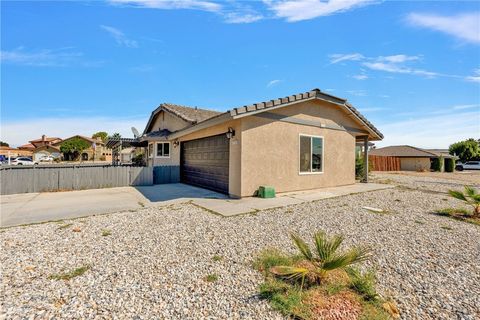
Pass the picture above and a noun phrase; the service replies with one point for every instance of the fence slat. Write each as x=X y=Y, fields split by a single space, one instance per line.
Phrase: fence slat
x=73 y=177
x=384 y=163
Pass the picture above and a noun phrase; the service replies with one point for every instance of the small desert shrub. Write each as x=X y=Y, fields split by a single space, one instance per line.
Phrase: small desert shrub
x=69 y=275
x=324 y=259
x=106 y=233
x=470 y=196
x=64 y=226
x=217 y=258
x=459 y=214
x=211 y=278
x=320 y=280
x=363 y=283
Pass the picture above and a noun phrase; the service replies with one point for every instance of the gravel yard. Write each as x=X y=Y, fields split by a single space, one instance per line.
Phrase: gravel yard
x=431 y=181
x=155 y=262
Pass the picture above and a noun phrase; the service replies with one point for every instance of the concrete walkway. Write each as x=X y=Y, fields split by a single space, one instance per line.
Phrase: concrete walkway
x=232 y=207
x=29 y=208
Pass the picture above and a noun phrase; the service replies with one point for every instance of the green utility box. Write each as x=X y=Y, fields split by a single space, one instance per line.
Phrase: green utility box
x=266 y=192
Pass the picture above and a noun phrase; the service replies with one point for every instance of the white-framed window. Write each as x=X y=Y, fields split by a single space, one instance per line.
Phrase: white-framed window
x=311 y=150
x=163 y=150
x=150 y=150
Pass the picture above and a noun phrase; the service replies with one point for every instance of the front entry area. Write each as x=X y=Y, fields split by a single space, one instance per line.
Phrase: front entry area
x=204 y=162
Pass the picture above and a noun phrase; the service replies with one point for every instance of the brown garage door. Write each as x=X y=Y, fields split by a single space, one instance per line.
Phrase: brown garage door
x=204 y=163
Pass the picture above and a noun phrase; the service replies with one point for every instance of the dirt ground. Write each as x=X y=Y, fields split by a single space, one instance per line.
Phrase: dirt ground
x=470 y=177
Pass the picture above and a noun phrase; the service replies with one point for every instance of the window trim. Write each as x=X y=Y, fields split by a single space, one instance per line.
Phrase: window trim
x=169 y=150
x=311 y=162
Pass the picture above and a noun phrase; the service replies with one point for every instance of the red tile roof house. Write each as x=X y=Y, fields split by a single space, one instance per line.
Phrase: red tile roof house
x=303 y=141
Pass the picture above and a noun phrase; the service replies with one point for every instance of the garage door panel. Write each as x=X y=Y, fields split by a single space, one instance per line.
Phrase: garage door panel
x=204 y=162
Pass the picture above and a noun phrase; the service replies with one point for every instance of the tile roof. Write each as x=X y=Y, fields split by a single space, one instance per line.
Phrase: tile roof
x=46 y=139
x=46 y=147
x=159 y=133
x=27 y=146
x=312 y=94
x=190 y=114
x=195 y=115
x=404 y=151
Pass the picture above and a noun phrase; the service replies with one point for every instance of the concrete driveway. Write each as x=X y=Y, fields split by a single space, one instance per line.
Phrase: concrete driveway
x=19 y=209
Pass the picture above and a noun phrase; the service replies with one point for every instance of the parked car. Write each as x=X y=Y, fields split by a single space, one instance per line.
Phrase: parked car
x=46 y=159
x=469 y=165
x=20 y=161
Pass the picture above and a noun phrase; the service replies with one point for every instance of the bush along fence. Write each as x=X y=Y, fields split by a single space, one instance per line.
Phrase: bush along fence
x=23 y=179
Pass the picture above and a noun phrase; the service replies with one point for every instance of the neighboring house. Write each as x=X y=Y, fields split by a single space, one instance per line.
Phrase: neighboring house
x=12 y=152
x=44 y=151
x=411 y=158
x=44 y=141
x=29 y=147
x=303 y=141
x=94 y=152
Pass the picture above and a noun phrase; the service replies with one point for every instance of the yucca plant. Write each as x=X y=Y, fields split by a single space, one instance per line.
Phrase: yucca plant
x=470 y=196
x=325 y=258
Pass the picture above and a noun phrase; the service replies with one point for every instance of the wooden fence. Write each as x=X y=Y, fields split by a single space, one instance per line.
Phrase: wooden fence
x=381 y=163
x=44 y=178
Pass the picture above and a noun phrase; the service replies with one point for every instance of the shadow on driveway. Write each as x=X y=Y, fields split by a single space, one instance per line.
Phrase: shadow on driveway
x=173 y=191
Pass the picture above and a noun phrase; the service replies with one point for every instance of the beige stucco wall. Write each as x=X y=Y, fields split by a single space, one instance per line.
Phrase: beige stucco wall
x=270 y=150
x=165 y=120
x=415 y=164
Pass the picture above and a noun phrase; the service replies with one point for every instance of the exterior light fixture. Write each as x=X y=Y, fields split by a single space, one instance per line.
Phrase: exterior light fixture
x=176 y=143
x=230 y=133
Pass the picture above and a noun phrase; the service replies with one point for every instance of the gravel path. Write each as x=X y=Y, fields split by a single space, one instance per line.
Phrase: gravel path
x=422 y=181
x=154 y=263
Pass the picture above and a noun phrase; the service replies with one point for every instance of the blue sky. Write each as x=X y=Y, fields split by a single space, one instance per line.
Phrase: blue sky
x=413 y=68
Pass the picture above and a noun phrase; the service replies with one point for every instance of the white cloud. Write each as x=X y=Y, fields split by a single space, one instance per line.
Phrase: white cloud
x=399 y=63
x=120 y=37
x=21 y=131
x=273 y=83
x=172 y=4
x=398 y=68
x=466 y=106
x=475 y=77
x=462 y=26
x=42 y=58
x=360 y=77
x=399 y=58
x=238 y=17
x=358 y=93
x=298 y=10
x=339 y=57
x=433 y=131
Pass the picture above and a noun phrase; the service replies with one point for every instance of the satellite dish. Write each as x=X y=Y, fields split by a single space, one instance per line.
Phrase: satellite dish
x=136 y=134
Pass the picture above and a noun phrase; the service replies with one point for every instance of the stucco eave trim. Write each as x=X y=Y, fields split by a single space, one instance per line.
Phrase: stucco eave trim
x=202 y=125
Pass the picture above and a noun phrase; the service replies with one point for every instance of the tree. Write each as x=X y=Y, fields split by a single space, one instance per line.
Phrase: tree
x=4 y=144
x=465 y=150
x=74 y=147
x=115 y=136
x=101 y=134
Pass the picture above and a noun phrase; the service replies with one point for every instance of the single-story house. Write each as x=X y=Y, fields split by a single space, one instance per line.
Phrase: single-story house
x=411 y=158
x=44 y=151
x=14 y=152
x=303 y=141
x=95 y=151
